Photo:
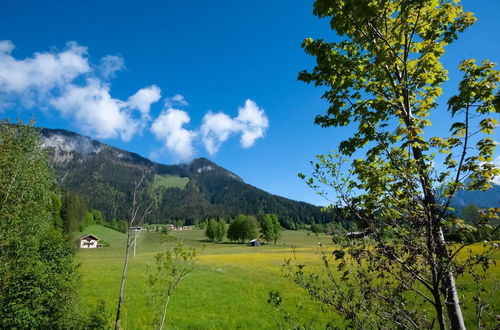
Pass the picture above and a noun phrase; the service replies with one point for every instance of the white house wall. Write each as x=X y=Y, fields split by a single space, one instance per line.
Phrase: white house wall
x=88 y=244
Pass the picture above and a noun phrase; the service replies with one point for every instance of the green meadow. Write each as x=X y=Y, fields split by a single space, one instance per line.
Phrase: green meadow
x=170 y=181
x=227 y=289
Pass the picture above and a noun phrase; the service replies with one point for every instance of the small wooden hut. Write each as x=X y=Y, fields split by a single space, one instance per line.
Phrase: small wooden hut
x=255 y=242
x=89 y=242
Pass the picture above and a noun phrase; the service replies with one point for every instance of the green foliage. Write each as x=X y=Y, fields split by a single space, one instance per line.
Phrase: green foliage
x=270 y=228
x=471 y=214
x=220 y=230
x=474 y=225
x=37 y=266
x=56 y=210
x=211 y=229
x=106 y=182
x=384 y=77
x=97 y=319
x=93 y=217
x=317 y=228
x=73 y=212
x=172 y=267
x=122 y=226
x=242 y=228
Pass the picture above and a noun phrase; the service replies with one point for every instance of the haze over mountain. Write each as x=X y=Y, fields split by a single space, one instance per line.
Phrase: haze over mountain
x=105 y=176
x=482 y=199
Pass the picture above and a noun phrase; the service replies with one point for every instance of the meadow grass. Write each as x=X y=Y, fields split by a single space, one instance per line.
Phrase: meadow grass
x=170 y=181
x=228 y=287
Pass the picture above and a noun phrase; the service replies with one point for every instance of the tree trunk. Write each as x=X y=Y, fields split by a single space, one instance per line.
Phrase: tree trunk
x=449 y=287
x=450 y=291
x=164 y=313
x=439 y=308
x=122 y=285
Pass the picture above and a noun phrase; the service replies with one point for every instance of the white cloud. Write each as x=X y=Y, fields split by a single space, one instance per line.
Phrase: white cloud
x=176 y=100
x=95 y=111
x=42 y=71
x=215 y=129
x=251 y=123
x=143 y=99
x=66 y=82
x=254 y=121
x=111 y=64
x=99 y=114
x=168 y=127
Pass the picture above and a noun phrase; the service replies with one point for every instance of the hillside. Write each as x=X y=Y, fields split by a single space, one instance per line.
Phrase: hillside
x=482 y=199
x=105 y=176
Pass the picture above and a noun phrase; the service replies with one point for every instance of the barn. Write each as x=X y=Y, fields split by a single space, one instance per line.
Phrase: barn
x=89 y=242
x=255 y=242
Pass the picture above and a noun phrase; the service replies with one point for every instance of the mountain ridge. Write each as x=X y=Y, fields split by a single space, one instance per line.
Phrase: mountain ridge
x=104 y=174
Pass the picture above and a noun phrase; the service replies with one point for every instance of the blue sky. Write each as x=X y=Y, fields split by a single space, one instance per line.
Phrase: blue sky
x=186 y=79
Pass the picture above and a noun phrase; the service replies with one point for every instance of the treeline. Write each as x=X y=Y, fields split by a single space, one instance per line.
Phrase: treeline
x=243 y=228
x=75 y=214
x=471 y=225
x=106 y=181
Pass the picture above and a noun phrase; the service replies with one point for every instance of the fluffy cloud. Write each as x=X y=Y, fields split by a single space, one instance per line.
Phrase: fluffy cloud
x=143 y=99
x=168 y=127
x=176 y=100
x=93 y=108
x=66 y=82
x=216 y=129
x=111 y=64
x=50 y=79
x=254 y=121
x=251 y=123
x=42 y=71
x=103 y=116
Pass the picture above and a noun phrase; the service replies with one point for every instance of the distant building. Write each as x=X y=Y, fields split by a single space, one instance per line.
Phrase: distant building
x=89 y=242
x=357 y=234
x=255 y=242
x=174 y=228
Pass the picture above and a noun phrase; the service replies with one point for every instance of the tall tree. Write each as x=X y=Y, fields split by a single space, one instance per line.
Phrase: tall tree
x=211 y=229
x=73 y=211
x=37 y=266
x=266 y=228
x=385 y=76
x=276 y=228
x=243 y=227
x=235 y=230
x=221 y=230
x=270 y=229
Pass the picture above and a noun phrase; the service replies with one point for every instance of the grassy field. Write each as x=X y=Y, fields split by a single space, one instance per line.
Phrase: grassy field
x=228 y=288
x=170 y=181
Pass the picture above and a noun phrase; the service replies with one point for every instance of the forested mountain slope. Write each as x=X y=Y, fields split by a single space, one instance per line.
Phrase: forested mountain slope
x=105 y=176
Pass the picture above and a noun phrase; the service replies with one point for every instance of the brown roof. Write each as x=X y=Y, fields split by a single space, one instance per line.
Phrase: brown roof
x=90 y=236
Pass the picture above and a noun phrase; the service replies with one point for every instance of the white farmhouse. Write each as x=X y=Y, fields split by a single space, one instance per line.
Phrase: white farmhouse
x=89 y=241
